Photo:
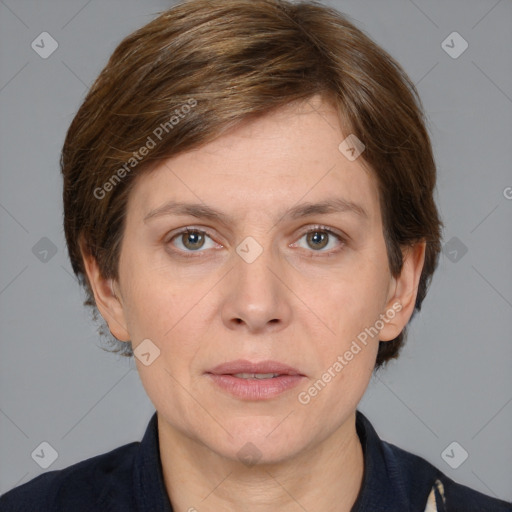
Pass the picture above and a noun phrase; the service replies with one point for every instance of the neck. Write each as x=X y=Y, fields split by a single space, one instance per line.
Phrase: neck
x=326 y=477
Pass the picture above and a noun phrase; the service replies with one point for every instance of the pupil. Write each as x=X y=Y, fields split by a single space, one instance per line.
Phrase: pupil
x=193 y=240
x=317 y=238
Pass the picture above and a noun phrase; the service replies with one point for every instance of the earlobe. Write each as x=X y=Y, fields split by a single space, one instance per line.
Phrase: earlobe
x=401 y=302
x=108 y=303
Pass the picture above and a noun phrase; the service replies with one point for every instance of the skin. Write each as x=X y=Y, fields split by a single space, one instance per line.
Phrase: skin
x=295 y=304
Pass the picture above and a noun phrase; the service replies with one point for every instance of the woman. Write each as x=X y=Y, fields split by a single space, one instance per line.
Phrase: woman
x=248 y=202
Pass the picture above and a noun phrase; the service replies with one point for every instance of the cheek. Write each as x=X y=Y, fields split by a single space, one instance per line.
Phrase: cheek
x=151 y=302
x=354 y=297
x=154 y=313
x=170 y=309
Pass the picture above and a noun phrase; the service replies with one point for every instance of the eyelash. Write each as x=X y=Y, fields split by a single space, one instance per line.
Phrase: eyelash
x=314 y=229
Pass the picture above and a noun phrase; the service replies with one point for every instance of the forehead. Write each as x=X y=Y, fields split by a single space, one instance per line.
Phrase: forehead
x=263 y=165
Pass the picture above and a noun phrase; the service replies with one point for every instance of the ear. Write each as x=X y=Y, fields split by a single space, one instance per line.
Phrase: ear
x=108 y=302
x=402 y=292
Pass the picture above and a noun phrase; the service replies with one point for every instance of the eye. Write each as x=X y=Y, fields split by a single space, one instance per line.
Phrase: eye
x=319 y=238
x=191 y=240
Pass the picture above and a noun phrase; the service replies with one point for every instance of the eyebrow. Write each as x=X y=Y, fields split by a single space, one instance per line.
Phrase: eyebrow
x=203 y=211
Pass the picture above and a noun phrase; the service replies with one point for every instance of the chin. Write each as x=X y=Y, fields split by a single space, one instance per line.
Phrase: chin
x=259 y=442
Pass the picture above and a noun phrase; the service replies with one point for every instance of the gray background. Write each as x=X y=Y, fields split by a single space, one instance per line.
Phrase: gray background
x=453 y=380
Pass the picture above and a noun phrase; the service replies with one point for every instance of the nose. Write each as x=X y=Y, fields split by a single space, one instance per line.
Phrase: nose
x=255 y=295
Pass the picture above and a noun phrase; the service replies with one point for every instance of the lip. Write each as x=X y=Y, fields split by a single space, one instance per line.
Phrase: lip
x=255 y=389
x=244 y=366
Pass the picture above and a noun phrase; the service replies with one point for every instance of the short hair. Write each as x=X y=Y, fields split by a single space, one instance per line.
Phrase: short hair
x=203 y=67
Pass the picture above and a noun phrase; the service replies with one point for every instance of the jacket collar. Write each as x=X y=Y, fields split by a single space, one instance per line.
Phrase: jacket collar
x=385 y=481
x=148 y=480
x=382 y=487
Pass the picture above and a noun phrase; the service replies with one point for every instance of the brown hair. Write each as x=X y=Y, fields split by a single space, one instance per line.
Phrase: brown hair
x=206 y=65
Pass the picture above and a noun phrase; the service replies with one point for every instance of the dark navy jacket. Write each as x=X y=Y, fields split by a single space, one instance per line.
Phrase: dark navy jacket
x=130 y=478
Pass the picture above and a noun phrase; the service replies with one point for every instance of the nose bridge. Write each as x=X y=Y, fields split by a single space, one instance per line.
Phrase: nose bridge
x=255 y=296
x=253 y=266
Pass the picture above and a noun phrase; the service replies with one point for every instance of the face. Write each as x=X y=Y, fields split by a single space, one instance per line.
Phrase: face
x=262 y=276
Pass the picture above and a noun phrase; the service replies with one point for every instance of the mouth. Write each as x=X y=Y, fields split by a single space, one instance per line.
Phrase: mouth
x=246 y=369
x=260 y=376
x=255 y=381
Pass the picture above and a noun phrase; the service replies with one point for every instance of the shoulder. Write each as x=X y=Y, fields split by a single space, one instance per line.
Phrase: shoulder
x=396 y=479
x=81 y=487
x=445 y=495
